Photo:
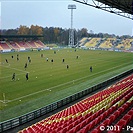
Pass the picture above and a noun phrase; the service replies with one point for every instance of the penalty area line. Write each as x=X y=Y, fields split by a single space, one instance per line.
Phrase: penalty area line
x=15 y=69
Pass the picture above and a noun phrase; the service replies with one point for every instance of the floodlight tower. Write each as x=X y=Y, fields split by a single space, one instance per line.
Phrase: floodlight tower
x=71 y=32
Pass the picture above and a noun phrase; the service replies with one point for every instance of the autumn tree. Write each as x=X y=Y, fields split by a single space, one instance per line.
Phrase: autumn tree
x=56 y=34
x=84 y=32
x=23 y=30
x=36 y=30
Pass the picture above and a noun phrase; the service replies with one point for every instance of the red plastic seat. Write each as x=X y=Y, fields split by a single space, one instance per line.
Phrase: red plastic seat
x=64 y=130
x=36 y=129
x=75 y=123
x=112 y=132
x=30 y=130
x=95 y=131
x=81 y=119
x=130 y=113
x=58 y=129
x=127 y=117
x=102 y=117
x=91 y=125
x=97 y=120
x=76 y=128
x=121 y=124
x=82 y=124
x=112 y=118
x=99 y=129
x=121 y=109
x=116 y=113
x=106 y=122
x=69 y=127
x=88 y=120
x=84 y=130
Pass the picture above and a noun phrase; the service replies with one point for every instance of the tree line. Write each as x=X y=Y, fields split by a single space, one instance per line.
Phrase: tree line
x=56 y=34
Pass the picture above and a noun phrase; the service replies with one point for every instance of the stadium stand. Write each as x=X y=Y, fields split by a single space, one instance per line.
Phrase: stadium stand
x=14 y=45
x=104 y=43
x=83 y=41
x=4 y=45
x=125 y=44
x=39 y=44
x=1 y=48
x=20 y=45
x=111 y=106
x=108 y=43
x=35 y=44
x=32 y=44
x=93 y=42
x=23 y=45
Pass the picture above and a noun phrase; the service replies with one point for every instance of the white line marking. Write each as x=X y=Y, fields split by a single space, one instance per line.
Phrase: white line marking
x=2 y=101
x=13 y=69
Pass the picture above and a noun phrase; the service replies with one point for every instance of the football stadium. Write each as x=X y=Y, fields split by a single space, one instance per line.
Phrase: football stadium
x=86 y=87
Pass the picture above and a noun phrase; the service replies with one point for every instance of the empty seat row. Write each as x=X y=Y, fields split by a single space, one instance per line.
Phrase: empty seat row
x=100 y=109
x=19 y=45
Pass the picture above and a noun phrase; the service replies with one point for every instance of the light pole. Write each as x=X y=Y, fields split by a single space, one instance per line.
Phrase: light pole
x=71 y=32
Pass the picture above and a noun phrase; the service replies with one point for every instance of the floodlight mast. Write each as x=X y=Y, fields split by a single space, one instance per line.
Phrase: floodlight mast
x=71 y=32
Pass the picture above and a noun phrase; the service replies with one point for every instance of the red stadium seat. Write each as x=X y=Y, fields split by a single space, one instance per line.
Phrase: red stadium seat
x=130 y=113
x=91 y=125
x=95 y=131
x=121 y=124
x=80 y=122
x=112 y=118
x=127 y=117
x=64 y=130
x=106 y=122
x=76 y=128
x=24 y=131
x=69 y=127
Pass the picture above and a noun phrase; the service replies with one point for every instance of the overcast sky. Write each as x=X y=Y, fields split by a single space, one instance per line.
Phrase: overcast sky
x=55 y=13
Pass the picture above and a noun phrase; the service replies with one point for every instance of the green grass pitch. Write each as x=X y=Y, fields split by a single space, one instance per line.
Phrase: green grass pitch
x=49 y=82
